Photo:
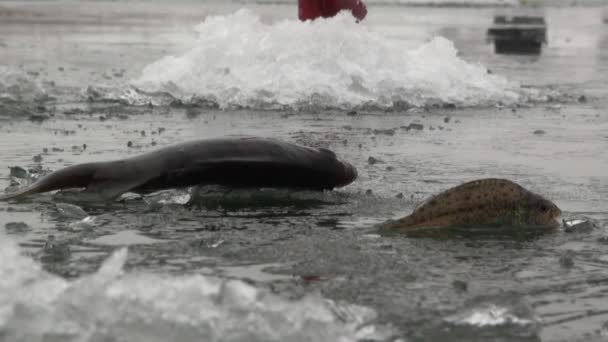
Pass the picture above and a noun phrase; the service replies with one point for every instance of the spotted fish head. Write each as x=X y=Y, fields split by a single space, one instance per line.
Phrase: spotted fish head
x=541 y=211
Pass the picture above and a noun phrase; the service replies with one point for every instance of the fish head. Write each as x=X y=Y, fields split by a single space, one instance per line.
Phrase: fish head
x=541 y=211
x=347 y=174
x=343 y=172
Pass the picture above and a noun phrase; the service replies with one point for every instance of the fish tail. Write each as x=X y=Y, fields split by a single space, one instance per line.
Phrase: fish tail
x=21 y=192
x=76 y=176
x=402 y=223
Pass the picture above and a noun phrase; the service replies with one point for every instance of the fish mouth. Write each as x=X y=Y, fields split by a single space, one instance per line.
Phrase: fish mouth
x=550 y=218
x=554 y=211
x=543 y=211
x=556 y=215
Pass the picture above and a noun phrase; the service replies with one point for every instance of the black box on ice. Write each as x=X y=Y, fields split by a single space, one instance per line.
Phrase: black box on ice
x=518 y=34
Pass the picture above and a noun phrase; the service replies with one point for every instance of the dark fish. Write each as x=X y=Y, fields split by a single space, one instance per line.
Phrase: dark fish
x=485 y=202
x=234 y=162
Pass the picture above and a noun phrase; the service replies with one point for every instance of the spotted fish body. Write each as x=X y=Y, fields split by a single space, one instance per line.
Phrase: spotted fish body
x=485 y=202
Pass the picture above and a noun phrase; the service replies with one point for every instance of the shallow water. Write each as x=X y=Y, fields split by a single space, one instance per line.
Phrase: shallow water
x=314 y=258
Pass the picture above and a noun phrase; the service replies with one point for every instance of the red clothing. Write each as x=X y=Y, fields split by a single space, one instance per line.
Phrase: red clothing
x=312 y=9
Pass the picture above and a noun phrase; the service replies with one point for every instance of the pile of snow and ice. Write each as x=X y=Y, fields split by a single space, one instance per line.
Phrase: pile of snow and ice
x=470 y=3
x=111 y=305
x=240 y=61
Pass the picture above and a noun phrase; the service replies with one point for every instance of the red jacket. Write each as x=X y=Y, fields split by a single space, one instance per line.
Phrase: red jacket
x=312 y=9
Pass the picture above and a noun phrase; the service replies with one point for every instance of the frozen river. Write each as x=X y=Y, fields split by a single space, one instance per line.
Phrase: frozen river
x=80 y=81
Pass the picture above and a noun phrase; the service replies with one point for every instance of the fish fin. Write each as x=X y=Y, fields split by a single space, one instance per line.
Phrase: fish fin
x=109 y=190
x=425 y=202
x=98 y=192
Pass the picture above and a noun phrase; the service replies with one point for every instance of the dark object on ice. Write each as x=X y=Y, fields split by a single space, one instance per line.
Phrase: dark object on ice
x=54 y=251
x=578 y=225
x=518 y=34
x=567 y=259
x=17 y=227
x=18 y=172
x=373 y=161
x=388 y=131
x=414 y=126
x=240 y=162
x=38 y=117
x=460 y=285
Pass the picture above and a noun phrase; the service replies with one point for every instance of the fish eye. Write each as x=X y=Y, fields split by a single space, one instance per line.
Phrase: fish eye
x=543 y=208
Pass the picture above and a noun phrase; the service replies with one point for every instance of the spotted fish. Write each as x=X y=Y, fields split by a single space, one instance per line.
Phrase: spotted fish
x=485 y=202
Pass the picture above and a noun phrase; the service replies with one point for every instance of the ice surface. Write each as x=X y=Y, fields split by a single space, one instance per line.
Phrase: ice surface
x=240 y=61
x=111 y=305
x=15 y=85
